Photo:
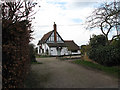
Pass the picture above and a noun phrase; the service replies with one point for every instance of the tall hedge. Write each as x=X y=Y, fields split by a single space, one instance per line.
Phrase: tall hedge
x=32 y=53
x=108 y=55
x=105 y=55
x=15 y=53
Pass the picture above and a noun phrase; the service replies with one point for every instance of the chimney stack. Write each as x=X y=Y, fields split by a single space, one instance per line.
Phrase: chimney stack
x=55 y=30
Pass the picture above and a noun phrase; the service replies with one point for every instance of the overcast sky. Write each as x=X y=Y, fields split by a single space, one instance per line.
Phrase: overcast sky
x=69 y=15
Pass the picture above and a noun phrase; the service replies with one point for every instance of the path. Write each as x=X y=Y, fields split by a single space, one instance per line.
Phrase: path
x=54 y=73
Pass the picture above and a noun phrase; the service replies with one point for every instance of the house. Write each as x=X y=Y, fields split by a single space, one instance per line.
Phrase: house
x=53 y=44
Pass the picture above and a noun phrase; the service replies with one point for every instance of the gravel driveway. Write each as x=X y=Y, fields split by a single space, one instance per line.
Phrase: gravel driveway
x=53 y=73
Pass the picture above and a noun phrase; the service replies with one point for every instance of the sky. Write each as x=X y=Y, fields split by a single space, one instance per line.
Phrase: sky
x=69 y=15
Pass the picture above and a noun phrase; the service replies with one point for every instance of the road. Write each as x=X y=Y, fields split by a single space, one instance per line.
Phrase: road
x=53 y=73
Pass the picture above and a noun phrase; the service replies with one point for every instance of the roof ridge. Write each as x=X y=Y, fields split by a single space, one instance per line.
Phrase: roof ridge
x=68 y=40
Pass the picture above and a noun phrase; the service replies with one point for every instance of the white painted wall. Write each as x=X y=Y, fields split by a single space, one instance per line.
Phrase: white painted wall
x=78 y=52
x=51 y=39
x=45 y=47
x=64 y=51
x=53 y=51
x=38 y=49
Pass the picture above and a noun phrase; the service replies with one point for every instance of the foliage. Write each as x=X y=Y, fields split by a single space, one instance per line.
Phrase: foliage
x=37 y=63
x=107 y=55
x=97 y=40
x=32 y=53
x=110 y=70
x=15 y=42
x=42 y=56
x=105 y=18
x=84 y=48
x=116 y=42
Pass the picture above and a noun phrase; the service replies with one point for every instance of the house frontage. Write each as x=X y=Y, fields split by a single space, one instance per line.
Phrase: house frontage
x=53 y=44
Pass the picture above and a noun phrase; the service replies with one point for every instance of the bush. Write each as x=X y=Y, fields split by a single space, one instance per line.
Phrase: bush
x=16 y=29
x=98 y=40
x=105 y=55
x=15 y=54
x=32 y=53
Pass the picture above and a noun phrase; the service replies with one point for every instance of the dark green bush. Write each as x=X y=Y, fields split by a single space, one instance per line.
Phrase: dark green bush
x=32 y=53
x=105 y=55
x=108 y=55
x=97 y=40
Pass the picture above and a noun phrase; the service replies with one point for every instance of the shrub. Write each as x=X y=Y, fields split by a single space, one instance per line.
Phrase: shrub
x=32 y=53
x=16 y=29
x=105 y=55
x=15 y=54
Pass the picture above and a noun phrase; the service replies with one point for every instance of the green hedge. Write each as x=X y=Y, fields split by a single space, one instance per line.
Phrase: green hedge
x=105 y=55
x=32 y=53
x=102 y=53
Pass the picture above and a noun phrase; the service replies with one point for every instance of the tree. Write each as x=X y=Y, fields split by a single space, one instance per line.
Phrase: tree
x=97 y=40
x=84 y=49
x=32 y=52
x=104 y=54
x=16 y=30
x=105 y=18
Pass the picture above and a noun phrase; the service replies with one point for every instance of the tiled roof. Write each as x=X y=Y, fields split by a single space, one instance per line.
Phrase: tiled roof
x=56 y=44
x=45 y=37
x=71 y=45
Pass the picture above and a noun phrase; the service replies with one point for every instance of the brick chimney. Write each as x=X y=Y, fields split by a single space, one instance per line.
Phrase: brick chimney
x=55 y=30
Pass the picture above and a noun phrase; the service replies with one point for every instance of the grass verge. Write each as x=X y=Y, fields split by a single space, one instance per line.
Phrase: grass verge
x=42 y=56
x=36 y=63
x=114 y=71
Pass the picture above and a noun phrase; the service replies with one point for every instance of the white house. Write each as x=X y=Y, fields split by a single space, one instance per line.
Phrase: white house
x=53 y=44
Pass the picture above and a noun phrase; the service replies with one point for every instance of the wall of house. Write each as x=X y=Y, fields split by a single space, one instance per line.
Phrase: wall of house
x=39 y=50
x=53 y=51
x=51 y=39
x=43 y=50
x=78 y=52
x=64 y=51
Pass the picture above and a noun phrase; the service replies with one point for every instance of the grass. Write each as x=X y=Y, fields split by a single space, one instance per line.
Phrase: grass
x=36 y=63
x=114 y=71
x=42 y=56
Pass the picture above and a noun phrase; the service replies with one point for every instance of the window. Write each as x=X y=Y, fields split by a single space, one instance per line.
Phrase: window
x=52 y=38
x=74 y=51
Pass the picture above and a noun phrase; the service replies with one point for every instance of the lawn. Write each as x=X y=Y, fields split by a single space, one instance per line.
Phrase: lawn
x=114 y=71
x=42 y=56
x=36 y=62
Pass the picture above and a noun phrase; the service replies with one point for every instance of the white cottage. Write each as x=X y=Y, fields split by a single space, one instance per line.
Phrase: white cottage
x=53 y=44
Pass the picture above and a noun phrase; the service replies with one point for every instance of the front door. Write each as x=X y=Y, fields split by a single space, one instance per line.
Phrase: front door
x=59 y=52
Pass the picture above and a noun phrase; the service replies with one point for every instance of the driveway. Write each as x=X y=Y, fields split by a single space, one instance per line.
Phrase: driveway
x=53 y=73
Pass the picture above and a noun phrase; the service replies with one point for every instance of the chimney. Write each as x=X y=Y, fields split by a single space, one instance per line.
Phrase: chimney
x=55 y=30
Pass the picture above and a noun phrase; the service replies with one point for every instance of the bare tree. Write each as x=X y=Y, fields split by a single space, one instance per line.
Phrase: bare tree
x=16 y=35
x=105 y=18
x=21 y=10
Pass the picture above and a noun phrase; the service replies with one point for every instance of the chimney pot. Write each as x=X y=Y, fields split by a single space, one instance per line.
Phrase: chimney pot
x=55 y=30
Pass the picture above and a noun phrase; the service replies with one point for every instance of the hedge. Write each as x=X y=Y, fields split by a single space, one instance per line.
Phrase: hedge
x=15 y=53
x=105 y=55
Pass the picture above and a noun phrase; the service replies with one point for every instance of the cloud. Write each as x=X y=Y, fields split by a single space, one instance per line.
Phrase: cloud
x=68 y=16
